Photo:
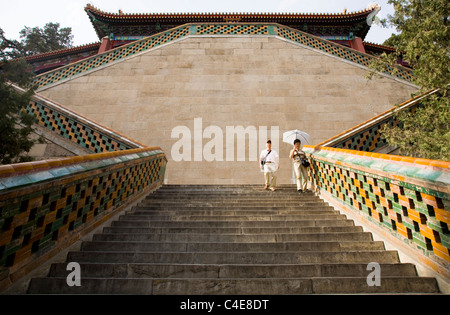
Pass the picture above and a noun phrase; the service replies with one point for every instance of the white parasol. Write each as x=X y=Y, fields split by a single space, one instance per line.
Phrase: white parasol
x=290 y=136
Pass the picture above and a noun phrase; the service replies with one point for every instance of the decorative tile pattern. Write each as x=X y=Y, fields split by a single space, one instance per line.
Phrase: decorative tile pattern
x=232 y=29
x=85 y=136
x=338 y=50
x=109 y=57
x=368 y=140
x=378 y=188
x=46 y=203
x=367 y=135
x=215 y=29
x=33 y=217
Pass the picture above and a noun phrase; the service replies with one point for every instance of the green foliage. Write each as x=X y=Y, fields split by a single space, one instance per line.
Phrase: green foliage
x=424 y=132
x=423 y=42
x=15 y=123
x=37 y=41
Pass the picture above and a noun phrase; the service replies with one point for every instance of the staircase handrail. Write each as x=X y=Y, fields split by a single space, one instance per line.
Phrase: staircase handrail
x=407 y=197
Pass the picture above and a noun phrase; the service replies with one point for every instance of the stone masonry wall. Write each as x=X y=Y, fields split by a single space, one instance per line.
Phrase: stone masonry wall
x=198 y=97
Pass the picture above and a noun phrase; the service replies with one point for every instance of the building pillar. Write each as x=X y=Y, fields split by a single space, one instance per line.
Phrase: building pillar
x=357 y=44
x=105 y=45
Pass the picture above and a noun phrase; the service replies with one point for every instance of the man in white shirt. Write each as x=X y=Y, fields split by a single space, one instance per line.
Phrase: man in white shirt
x=269 y=162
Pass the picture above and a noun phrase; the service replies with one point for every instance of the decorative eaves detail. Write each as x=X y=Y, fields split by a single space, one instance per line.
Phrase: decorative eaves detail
x=218 y=29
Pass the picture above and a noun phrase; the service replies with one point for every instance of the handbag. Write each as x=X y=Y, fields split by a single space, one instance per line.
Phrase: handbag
x=263 y=161
x=305 y=162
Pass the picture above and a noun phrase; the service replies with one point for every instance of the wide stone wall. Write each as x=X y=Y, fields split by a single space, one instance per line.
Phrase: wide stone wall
x=212 y=102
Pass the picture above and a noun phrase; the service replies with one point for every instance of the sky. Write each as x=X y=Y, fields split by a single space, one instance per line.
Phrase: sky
x=17 y=14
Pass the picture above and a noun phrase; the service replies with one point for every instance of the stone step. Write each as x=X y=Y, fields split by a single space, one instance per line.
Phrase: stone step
x=231 y=201
x=234 y=240
x=165 y=221
x=230 y=214
x=235 y=189
x=262 y=208
x=253 y=197
x=270 y=237
x=231 y=286
x=146 y=270
x=280 y=257
x=138 y=212
x=230 y=219
x=122 y=246
x=233 y=230
x=287 y=199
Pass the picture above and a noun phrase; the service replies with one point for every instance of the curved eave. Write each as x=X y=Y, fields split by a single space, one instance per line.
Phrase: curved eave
x=379 y=47
x=63 y=52
x=220 y=16
x=109 y=20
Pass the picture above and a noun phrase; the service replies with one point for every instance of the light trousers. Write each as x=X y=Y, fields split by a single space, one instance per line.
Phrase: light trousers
x=301 y=175
x=270 y=175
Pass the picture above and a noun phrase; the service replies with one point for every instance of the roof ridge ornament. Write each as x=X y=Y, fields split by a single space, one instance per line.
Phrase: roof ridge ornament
x=234 y=18
x=372 y=16
x=370 y=7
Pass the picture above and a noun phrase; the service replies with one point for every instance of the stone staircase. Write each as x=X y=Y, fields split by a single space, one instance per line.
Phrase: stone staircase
x=196 y=240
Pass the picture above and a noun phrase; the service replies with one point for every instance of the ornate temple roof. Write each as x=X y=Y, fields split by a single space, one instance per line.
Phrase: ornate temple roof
x=122 y=28
x=62 y=52
x=111 y=56
x=132 y=26
x=57 y=58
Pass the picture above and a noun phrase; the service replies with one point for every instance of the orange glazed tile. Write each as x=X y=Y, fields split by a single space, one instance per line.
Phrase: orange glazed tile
x=423 y=162
x=66 y=161
x=5 y=236
x=403 y=200
x=89 y=157
x=376 y=155
x=407 y=159
x=77 y=159
x=442 y=215
x=384 y=156
x=426 y=231
x=70 y=190
x=6 y=170
x=429 y=200
x=35 y=202
x=39 y=164
x=54 y=162
x=36 y=234
x=402 y=229
x=22 y=254
x=414 y=215
x=22 y=167
x=395 y=158
x=377 y=215
x=115 y=153
x=441 y=251
x=442 y=164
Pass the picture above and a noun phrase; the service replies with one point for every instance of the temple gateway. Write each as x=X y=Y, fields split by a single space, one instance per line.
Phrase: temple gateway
x=211 y=88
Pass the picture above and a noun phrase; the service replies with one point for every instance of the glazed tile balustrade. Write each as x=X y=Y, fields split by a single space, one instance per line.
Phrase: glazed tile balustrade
x=47 y=205
x=215 y=29
x=409 y=198
x=81 y=131
x=367 y=135
x=44 y=205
